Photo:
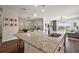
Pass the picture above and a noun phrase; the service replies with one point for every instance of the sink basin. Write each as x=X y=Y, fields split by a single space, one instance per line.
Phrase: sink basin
x=55 y=35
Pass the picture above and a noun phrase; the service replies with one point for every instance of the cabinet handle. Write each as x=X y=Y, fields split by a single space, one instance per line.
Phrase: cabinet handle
x=59 y=48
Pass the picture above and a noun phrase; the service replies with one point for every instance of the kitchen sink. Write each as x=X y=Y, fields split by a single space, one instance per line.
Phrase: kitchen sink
x=55 y=35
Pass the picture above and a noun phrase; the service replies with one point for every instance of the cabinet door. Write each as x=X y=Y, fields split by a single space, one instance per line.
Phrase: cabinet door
x=26 y=47
x=60 y=48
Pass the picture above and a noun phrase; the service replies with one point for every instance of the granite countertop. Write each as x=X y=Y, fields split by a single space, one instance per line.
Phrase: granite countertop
x=41 y=40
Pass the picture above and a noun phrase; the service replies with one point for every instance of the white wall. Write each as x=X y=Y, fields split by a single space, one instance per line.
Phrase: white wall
x=8 y=31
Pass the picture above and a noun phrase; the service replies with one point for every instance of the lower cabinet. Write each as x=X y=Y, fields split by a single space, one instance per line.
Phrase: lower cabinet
x=60 y=48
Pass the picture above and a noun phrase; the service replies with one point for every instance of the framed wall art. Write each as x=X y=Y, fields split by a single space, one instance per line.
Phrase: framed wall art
x=10 y=22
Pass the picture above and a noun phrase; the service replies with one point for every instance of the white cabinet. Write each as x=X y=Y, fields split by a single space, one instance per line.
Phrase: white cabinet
x=60 y=48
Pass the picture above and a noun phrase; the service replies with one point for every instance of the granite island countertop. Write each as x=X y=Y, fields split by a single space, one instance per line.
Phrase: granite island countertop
x=41 y=40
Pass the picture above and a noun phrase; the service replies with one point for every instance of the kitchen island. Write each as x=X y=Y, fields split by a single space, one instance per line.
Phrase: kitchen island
x=40 y=42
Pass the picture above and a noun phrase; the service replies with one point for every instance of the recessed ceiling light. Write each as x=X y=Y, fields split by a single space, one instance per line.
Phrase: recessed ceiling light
x=43 y=10
x=35 y=5
x=34 y=14
x=28 y=22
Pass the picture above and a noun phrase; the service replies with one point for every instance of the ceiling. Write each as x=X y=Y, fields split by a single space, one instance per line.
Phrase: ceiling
x=50 y=11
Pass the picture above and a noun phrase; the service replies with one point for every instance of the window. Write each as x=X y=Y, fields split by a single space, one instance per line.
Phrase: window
x=64 y=25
